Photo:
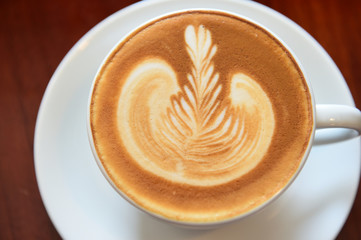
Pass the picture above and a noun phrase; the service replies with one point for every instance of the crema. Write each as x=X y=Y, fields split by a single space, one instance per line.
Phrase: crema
x=200 y=116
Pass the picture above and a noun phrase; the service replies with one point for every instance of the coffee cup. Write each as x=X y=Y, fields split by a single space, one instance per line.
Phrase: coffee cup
x=202 y=117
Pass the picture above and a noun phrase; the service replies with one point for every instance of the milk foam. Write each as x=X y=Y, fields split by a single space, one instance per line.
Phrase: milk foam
x=192 y=133
x=200 y=124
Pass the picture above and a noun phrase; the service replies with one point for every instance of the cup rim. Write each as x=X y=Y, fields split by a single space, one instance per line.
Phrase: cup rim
x=217 y=223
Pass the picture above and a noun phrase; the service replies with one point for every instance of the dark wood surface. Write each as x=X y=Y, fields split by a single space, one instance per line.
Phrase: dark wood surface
x=36 y=35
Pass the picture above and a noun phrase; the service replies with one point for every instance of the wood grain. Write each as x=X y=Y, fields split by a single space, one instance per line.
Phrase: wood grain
x=36 y=35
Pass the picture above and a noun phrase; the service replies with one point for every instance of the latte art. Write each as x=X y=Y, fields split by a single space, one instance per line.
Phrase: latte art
x=200 y=116
x=192 y=133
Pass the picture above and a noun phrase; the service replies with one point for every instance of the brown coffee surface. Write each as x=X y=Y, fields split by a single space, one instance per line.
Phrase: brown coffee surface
x=200 y=116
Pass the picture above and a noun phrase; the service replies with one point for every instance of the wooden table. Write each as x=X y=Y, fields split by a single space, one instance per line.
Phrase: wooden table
x=35 y=36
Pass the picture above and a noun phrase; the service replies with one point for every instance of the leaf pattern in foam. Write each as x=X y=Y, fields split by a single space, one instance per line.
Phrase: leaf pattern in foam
x=200 y=137
x=203 y=82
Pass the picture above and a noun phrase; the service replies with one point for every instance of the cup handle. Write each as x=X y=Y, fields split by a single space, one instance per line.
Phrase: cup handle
x=338 y=116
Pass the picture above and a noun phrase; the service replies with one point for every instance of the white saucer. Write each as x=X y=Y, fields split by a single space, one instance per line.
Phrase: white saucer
x=81 y=203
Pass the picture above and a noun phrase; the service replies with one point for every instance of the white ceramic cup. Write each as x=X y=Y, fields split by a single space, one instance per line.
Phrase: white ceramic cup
x=324 y=115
